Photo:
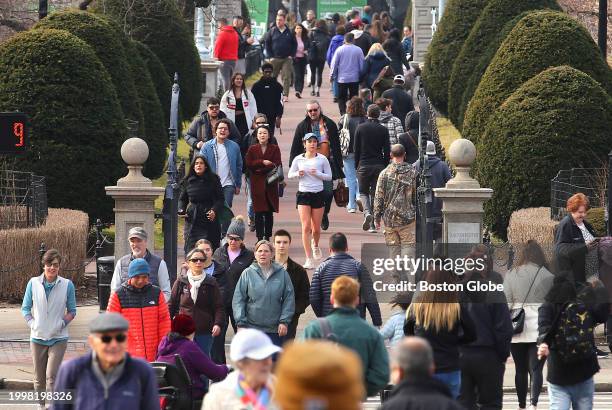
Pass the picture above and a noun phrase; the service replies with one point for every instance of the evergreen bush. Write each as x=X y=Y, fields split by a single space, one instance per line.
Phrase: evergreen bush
x=162 y=81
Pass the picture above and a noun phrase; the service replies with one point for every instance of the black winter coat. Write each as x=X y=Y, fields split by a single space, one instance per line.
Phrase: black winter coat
x=402 y=102
x=424 y=393
x=269 y=97
x=371 y=144
x=280 y=44
x=395 y=51
x=570 y=248
x=352 y=124
x=335 y=160
x=233 y=270
x=301 y=286
x=319 y=43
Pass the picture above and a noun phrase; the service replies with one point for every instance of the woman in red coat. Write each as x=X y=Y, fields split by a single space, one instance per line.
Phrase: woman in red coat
x=261 y=158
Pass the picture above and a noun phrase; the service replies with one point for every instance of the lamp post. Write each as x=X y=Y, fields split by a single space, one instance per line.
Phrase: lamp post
x=602 y=30
x=43 y=9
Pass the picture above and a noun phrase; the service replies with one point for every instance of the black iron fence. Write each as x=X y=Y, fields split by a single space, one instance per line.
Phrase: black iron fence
x=592 y=182
x=23 y=199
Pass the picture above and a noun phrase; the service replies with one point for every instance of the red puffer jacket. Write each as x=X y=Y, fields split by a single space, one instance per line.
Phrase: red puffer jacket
x=226 y=44
x=147 y=312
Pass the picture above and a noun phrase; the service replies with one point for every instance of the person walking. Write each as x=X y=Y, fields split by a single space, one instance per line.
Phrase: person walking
x=48 y=307
x=345 y=68
x=355 y=115
x=326 y=132
x=383 y=82
x=407 y=40
x=395 y=51
x=344 y=326
x=375 y=61
x=300 y=61
x=312 y=169
x=245 y=41
x=525 y=287
x=401 y=101
x=393 y=329
x=269 y=97
x=319 y=44
x=252 y=384
x=238 y=104
x=371 y=157
x=363 y=39
x=198 y=365
x=298 y=275
x=412 y=372
x=226 y=51
x=108 y=377
x=335 y=43
x=198 y=295
x=340 y=263
x=225 y=160
x=261 y=160
x=145 y=308
x=440 y=318
x=264 y=298
x=280 y=46
x=200 y=202
x=393 y=200
x=391 y=122
x=138 y=240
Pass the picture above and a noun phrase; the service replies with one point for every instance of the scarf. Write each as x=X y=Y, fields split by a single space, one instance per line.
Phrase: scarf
x=320 y=131
x=251 y=399
x=195 y=283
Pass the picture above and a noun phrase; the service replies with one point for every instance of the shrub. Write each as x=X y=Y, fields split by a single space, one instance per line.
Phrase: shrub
x=597 y=218
x=106 y=43
x=155 y=132
x=559 y=119
x=540 y=40
x=457 y=21
x=159 y=25
x=76 y=122
x=473 y=59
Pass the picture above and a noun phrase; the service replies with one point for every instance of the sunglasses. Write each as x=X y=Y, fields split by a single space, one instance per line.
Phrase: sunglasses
x=213 y=107
x=196 y=260
x=265 y=124
x=233 y=238
x=120 y=338
x=52 y=265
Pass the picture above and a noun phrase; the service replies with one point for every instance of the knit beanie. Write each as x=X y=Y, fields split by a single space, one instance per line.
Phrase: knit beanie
x=138 y=266
x=237 y=227
x=331 y=377
x=183 y=324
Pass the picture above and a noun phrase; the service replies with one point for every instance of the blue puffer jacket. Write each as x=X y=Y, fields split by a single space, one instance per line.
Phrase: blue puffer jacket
x=374 y=63
x=135 y=389
x=233 y=155
x=336 y=42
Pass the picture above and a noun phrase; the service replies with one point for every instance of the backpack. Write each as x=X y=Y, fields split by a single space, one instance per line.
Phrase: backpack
x=573 y=338
x=313 y=50
x=326 y=330
x=345 y=137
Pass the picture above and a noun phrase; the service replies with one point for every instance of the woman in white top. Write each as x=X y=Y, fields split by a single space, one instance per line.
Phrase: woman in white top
x=239 y=104
x=525 y=287
x=311 y=169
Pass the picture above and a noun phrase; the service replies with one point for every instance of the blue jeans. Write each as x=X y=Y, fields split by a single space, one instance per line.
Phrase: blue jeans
x=335 y=88
x=578 y=396
x=204 y=342
x=228 y=194
x=452 y=381
x=276 y=340
x=247 y=187
x=351 y=179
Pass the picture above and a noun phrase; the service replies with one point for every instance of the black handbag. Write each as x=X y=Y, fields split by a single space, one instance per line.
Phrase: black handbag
x=275 y=175
x=517 y=315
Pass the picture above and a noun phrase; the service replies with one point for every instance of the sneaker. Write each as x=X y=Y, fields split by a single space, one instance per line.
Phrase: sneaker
x=312 y=93
x=325 y=222
x=335 y=99
x=601 y=354
x=351 y=210
x=309 y=264
x=372 y=227
x=359 y=204
x=298 y=95
x=316 y=253
x=251 y=225
x=318 y=95
x=367 y=222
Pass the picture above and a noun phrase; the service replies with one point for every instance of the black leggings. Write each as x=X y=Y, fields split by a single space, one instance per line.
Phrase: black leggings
x=525 y=356
x=263 y=224
x=316 y=72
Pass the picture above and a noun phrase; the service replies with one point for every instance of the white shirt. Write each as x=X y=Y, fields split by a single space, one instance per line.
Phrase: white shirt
x=223 y=166
x=310 y=183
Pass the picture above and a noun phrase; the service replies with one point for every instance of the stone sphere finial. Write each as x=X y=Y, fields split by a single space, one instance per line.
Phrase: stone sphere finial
x=134 y=151
x=462 y=153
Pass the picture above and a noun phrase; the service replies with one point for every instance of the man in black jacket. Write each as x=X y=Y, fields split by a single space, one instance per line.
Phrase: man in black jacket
x=280 y=45
x=243 y=44
x=372 y=153
x=327 y=132
x=402 y=101
x=269 y=97
x=412 y=372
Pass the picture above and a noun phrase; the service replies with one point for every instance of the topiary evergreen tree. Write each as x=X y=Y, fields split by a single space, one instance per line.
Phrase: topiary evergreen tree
x=457 y=21
x=479 y=48
x=540 y=40
x=106 y=43
x=162 y=81
x=77 y=126
x=559 y=119
x=159 y=25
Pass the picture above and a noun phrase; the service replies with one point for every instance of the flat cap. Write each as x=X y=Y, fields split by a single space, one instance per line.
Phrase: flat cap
x=137 y=232
x=107 y=322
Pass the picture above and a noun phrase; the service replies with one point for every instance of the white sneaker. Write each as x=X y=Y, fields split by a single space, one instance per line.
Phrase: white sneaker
x=309 y=264
x=367 y=222
x=351 y=210
x=316 y=253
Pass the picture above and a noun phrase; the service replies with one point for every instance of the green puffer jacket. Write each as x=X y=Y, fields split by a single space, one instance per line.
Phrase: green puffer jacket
x=262 y=303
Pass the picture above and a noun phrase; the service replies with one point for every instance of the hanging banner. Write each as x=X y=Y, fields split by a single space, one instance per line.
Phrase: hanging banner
x=325 y=7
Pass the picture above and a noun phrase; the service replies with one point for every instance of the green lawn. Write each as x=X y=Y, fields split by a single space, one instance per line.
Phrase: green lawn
x=448 y=133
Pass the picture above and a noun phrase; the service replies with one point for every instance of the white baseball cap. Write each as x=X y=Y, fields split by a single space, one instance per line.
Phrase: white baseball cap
x=252 y=344
x=431 y=148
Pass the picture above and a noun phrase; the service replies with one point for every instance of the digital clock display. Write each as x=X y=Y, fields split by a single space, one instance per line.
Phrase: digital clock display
x=13 y=133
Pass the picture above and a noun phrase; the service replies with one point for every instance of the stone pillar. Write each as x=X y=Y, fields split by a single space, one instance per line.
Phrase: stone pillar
x=134 y=197
x=422 y=20
x=462 y=198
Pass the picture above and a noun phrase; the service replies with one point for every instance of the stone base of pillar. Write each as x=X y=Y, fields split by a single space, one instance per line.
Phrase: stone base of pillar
x=210 y=81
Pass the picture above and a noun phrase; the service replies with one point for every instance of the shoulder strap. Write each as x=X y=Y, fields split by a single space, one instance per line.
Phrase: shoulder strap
x=325 y=326
x=530 y=286
x=345 y=121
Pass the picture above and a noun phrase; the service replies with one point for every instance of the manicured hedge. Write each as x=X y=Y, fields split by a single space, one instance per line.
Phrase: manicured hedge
x=479 y=48
x=106 y=43
x=77 y=126
x=159 y=25
x=559 y=119
x=457 y=21
x=542 y=39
